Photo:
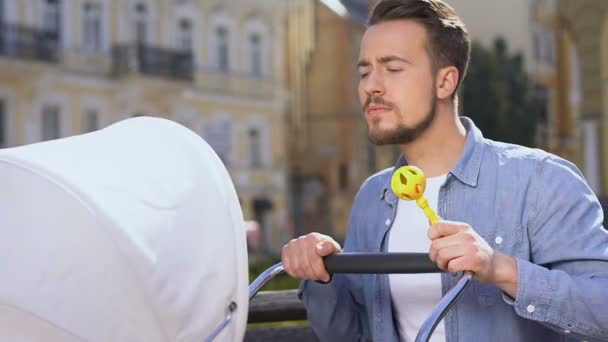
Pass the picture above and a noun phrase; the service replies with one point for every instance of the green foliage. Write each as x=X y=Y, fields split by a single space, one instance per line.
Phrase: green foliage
x=499 y=95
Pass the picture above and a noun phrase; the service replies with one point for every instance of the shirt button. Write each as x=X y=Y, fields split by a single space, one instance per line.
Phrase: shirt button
x=387 y=222
x=531 y=308
x=498 y=240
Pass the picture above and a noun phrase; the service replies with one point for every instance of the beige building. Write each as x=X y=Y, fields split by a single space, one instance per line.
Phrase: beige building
x=329 y=153
x=584 y=33
x=216 y=66
x=330 y=156
x=512 y=20
x=548 y=34
x=564 y=43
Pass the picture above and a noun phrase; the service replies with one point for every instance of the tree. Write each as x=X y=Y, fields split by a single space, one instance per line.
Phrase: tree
x=499 y=96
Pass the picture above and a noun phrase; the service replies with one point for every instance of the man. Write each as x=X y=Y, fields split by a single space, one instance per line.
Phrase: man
x=522 y=220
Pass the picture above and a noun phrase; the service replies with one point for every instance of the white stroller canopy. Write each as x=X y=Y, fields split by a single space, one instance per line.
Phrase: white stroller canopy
x=131 y=233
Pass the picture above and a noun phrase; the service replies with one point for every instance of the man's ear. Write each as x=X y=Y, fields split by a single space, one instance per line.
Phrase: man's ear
x=447 y=81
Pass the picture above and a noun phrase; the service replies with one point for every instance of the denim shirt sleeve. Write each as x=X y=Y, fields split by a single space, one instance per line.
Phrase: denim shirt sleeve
x=565 y=283
x=333 y=311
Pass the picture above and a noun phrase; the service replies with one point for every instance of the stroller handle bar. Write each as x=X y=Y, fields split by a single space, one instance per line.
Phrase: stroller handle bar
x=383 y=263
x=359 y=263
x=380 y=263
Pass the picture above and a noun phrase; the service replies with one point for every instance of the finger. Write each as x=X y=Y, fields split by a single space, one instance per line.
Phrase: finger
x=298 y=255
x=308 y=264
x=444 y=228
x=318 y=268
x=311 y=258
x=445 y=255
x=327 y=247
x=444 y=242
x=285 y=258
x=457 y=265
x=323 y=249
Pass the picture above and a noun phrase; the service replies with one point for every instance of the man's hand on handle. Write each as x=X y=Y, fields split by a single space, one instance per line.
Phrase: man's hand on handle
x=303 y=257
x=457 y=247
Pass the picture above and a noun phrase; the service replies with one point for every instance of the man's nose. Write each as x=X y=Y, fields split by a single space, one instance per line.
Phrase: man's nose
x=374 y=84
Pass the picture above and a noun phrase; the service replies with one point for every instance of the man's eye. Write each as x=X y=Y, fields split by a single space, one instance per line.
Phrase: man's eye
x=394 y=70
x=363 y=75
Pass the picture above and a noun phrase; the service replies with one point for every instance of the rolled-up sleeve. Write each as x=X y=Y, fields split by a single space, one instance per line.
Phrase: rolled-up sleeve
x=564 y=285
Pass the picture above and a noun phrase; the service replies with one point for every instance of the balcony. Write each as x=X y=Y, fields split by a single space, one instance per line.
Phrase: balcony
x=128 y=59
x=152 y=61
x=28 y=43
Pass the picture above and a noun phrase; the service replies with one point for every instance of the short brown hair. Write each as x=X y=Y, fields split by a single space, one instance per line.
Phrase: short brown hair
x=448 y=39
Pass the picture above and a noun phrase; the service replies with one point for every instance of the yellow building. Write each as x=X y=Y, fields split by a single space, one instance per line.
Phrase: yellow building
x=530 y=28
x=562 y=43
x=584 y=43
x=330 y=155
x=216 y=66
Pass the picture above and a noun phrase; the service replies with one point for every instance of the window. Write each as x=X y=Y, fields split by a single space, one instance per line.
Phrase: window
x=50 y=123
x=3 y=124
x=537 y=39
x=140 y=23
x=255 y=148
x=255 y=48
x=91 y=26
x=185 y=35
x=222 y=49
x=548 y=42
x=90 y=121
x=51 y=20
x=218 y=135
x=543 y=44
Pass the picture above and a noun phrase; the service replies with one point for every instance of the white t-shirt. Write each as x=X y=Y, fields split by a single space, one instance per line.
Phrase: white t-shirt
x=415 y=295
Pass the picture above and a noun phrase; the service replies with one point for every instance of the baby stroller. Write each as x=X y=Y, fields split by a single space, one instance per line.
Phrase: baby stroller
x=131 y=233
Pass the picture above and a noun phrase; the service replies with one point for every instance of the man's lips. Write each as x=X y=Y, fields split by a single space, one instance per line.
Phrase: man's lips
x=377 y=110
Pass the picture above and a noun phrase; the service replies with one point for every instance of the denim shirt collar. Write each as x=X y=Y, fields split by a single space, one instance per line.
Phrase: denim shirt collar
x=466 y=169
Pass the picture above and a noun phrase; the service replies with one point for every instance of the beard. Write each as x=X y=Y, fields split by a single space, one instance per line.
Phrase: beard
x=401 y=134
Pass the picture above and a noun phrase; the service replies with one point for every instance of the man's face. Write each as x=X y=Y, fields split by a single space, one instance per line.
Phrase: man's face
x=396 y=88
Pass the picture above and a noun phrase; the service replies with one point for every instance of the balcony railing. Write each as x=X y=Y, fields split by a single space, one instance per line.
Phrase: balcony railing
x=27 y=43
x=21 y=42
x=175 y=64
x=152 y=61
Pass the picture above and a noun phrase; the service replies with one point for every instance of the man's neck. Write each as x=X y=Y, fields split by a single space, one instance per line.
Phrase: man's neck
x=439 y=148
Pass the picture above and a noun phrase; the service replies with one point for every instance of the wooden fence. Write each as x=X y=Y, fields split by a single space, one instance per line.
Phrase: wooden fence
x=278 y=306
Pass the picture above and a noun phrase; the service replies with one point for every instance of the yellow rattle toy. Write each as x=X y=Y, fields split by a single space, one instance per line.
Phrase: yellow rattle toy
x=409 y=183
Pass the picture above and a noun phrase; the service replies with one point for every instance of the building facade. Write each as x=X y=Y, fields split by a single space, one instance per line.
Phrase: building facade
x=584 y=32
x=216 y=66
x=330 y=155
x=562 y=50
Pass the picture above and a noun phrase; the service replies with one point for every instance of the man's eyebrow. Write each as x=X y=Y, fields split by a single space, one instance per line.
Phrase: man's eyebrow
x=383 y=60
x=362 y=63
x=392 y=58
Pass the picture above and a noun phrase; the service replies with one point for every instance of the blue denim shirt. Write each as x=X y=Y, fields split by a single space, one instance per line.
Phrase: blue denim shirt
x=524 y=202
